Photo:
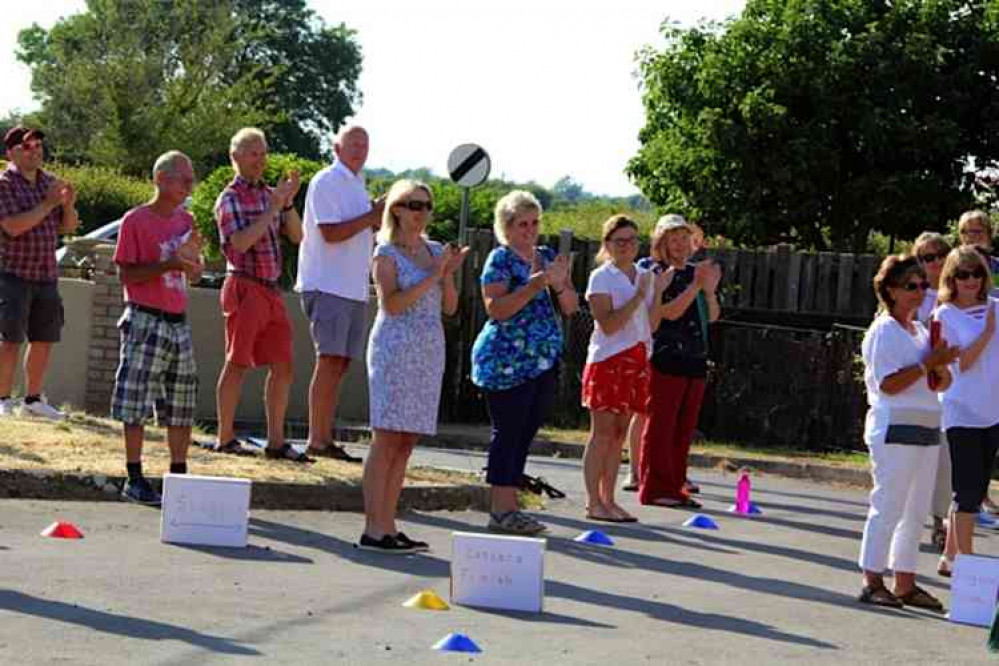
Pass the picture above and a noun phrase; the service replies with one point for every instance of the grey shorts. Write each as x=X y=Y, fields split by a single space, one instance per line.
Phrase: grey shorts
x=337 y=324
x=29 y=310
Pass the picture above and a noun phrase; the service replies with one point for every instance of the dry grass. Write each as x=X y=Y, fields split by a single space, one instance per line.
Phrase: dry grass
x=91 y=445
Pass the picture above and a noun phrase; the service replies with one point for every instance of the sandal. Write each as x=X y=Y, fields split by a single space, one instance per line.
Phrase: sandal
x=879 y=596
x=938 y=538
x=288 y=452
x=944 y=567
x=232 y=447
x=539 y=486
x=917 y=597
x=515 y=522
x=332 y=451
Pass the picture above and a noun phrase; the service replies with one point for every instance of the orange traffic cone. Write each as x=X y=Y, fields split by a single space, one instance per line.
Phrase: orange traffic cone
x=61 y=530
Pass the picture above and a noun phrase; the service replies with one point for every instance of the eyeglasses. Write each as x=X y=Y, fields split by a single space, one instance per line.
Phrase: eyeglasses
x=930 y=257
x=961 y=274
x=623 y=242
x=416 y=205
x=913 y=286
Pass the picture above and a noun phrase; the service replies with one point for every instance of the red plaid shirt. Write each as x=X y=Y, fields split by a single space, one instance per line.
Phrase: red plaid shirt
x=30 y=256
x=236 y=208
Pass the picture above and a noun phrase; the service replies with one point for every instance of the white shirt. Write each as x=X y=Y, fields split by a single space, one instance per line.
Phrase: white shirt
x=972 y=401
x=335 y=195
x=926 y=308
x=609 y=280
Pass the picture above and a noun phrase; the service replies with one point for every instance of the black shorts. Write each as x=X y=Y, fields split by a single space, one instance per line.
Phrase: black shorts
x=29 y=310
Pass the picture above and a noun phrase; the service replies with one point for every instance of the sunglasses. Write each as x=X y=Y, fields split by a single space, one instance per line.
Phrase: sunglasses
x=623 y=242
x=31 y=144
x=417 y=206
x=930 y=257
x=913 y=286
x=961 y=274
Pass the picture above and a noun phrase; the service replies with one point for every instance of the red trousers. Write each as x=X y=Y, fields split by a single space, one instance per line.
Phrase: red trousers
x=674 y=407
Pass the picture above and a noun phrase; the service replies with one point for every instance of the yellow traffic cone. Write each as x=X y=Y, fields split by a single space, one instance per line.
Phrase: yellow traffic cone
x=426 y=600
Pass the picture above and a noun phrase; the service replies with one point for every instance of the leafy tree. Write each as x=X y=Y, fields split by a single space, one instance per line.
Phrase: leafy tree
x=818 y=121
x=314 y=66
x=569 y=190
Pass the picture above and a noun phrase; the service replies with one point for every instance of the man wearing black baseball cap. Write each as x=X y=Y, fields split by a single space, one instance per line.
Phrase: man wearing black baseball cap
x=35 y=209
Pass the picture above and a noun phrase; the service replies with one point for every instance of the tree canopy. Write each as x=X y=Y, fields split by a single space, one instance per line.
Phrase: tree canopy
x=128 y=79
x=819 y=121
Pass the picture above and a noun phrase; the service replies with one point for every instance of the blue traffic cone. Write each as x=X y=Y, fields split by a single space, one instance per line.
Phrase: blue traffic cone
x=701 y=521
x=595 y=538
x=457 y=643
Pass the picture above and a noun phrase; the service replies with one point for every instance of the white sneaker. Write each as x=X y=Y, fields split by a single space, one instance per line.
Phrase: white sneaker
x=42 y=409
x=7 y=407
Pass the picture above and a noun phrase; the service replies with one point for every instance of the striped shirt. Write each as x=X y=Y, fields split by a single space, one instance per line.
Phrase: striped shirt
x=237 y=208
x=30 y=256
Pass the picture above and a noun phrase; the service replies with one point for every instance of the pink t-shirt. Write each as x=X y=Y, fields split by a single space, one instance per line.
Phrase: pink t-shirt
x=147 y=238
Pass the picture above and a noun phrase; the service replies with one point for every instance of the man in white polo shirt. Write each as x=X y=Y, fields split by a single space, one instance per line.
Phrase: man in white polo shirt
x=334 y=264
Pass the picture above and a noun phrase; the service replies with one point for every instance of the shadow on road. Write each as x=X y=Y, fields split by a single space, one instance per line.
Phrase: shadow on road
x=417 y=565
x=252 y=553
x=114 y=623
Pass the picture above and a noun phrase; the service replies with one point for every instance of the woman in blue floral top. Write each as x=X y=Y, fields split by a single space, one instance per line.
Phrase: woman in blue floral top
x=515 y=356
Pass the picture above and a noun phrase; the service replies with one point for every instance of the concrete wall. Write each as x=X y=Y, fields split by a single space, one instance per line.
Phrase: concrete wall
x=82 y=369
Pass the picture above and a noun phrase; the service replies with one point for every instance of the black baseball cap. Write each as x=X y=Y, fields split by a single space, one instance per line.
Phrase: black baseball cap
x=15 y=136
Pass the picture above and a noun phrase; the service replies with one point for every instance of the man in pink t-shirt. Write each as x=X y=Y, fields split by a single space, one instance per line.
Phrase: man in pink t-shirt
x=158 y=252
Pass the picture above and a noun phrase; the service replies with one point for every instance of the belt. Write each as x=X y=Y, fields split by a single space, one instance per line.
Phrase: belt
x=270 y=284
x=169 y=317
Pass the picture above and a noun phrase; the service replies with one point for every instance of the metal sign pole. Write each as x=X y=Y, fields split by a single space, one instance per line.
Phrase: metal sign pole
x=463 y=219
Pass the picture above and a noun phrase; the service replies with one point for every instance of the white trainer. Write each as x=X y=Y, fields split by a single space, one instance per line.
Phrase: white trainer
x=42 y=409
x=7 y=407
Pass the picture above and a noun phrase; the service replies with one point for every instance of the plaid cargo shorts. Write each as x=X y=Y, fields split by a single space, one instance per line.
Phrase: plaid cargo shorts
x=157 y=370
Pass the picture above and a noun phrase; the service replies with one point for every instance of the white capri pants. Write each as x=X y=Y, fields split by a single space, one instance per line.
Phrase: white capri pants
x=904 y=478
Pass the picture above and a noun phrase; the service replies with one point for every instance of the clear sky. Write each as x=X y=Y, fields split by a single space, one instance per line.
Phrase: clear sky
x=547 y=87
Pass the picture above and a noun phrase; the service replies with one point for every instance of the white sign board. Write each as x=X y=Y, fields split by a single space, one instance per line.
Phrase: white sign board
x=974 y=586
x=490 y=571
x=468 y=165
x=205 y=510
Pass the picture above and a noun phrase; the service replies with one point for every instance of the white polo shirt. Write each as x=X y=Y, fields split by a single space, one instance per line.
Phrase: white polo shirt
x=972 y=401
x=336 y=194
x=610 y=280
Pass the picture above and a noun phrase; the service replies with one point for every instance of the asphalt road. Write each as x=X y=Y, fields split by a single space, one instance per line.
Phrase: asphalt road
x=772 y=590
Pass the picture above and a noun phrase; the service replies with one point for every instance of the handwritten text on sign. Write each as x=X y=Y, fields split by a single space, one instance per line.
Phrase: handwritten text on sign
x=503 y=572
x=205 y=510
x=973 y=589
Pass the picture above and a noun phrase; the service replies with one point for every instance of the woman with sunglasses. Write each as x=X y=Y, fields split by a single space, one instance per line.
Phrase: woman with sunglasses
x=931 y=249
x=902 y=433
x=414 y=278
x=616 y=374
x=971 y=404
x=679 y=363
x=515 y=356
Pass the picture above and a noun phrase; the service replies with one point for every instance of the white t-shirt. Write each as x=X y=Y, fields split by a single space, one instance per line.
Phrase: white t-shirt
x=926 y=309
x=335 y=195
x=888 y=348
x=972 y=401
x=608 y=279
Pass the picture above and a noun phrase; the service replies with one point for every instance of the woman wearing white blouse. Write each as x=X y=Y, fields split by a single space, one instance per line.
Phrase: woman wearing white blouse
x=902 y=432
x=971 y=405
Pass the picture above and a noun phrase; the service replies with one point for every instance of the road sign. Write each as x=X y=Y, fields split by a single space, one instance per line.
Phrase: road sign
x=468 y=165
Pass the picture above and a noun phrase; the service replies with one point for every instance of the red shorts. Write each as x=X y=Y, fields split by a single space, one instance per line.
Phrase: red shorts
x=619 y=384
x=257 y=328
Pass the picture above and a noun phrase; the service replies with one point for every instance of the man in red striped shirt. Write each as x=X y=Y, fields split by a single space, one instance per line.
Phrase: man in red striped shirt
x=35 y=208
x=251 y=217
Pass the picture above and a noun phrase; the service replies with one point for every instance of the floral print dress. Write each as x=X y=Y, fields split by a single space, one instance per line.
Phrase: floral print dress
x=511 y=352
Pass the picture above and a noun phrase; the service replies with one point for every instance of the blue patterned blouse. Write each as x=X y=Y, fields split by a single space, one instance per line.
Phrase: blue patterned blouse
x=508 y=353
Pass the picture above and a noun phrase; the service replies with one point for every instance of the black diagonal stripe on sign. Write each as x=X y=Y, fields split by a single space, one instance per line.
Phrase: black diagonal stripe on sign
x=459 y=171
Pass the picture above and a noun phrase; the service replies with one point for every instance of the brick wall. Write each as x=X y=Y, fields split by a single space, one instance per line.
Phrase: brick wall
x=103 y=353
